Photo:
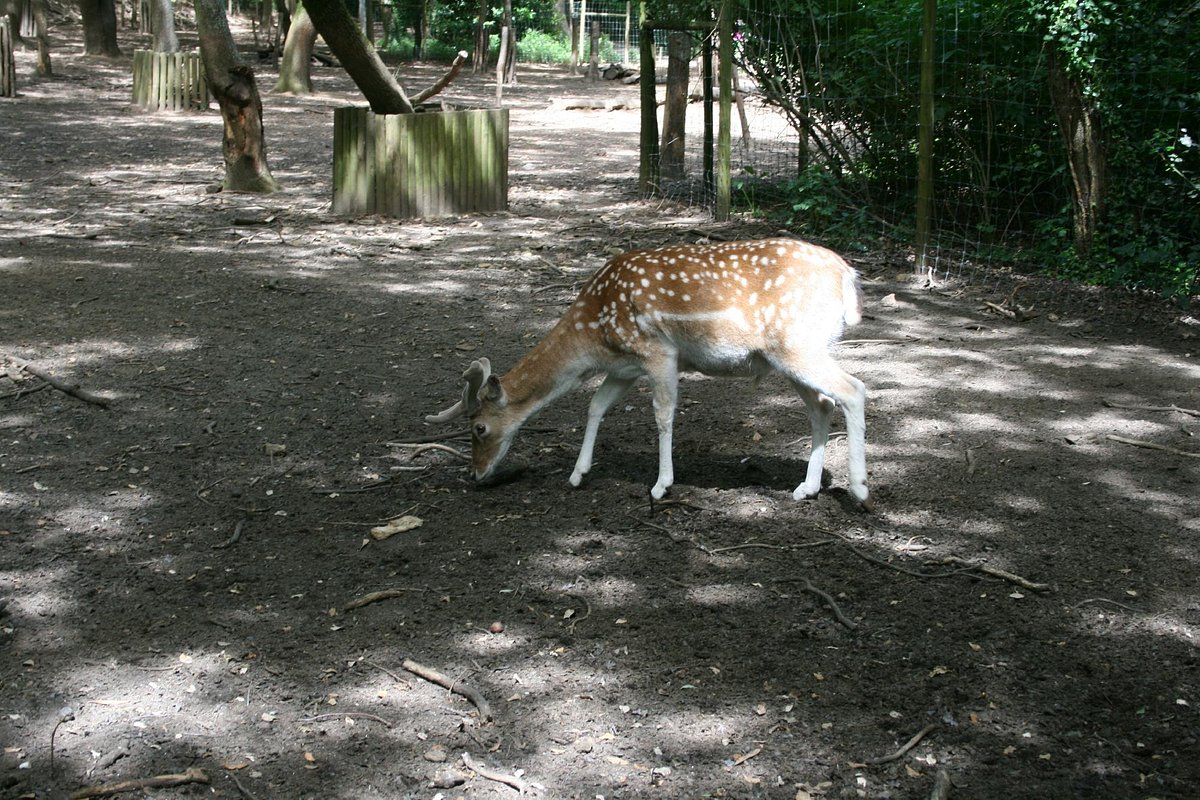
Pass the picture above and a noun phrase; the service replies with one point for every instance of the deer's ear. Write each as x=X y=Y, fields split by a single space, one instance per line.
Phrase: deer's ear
x=492 y=391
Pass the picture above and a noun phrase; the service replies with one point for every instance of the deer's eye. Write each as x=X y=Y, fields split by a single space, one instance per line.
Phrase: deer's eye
x=481 y=430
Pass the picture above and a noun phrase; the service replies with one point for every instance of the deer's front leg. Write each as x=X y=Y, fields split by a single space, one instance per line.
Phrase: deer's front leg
x=609 y=392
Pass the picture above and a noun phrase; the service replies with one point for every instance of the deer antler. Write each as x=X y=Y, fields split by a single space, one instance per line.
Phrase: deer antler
x=476 y=377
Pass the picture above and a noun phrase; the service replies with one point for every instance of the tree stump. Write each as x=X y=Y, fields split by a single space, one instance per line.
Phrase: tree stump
x=169 y=81
x=418 y=166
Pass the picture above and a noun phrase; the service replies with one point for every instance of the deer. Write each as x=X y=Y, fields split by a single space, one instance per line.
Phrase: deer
x=728 y=309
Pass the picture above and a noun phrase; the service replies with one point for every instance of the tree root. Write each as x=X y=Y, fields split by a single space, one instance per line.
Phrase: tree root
x=826 y=598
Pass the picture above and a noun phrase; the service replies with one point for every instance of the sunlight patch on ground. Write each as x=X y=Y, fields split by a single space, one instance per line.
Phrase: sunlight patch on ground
x=1127 y=484
x=725 y=594
x=432 y=288
x=97 y=351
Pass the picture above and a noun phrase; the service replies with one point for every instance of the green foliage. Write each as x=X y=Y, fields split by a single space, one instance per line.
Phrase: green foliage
x=543 y=48
x=809 y=204
x=402 y=45
x=846 y=75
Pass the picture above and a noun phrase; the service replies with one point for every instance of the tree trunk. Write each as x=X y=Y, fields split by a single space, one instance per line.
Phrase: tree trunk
x=232 y=84
x=163 y=16
x=99 y=27
x=679 y=48
x=43 y=42
x=295 y=69
x=510 y=55
x=479 y=62
x=358 y=57
x=1079 y=123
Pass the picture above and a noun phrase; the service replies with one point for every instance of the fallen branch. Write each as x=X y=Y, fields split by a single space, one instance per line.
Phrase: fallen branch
x=444 y=81
x=494 y=775
x=909 y=745
x=433 y=676
x=995 y=572
x=192 y=775
x=1191 y=412
x=375 y=597
x=1152 y=446
x=73 y=389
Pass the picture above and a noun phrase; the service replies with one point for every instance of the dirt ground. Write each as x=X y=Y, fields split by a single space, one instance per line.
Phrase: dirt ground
x=179 y=570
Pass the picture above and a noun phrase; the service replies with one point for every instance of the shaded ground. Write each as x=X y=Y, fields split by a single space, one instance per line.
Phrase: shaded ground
x=665 y=651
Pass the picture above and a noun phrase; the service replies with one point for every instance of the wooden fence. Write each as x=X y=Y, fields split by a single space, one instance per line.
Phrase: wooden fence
x=413 y=166
x=169 y=81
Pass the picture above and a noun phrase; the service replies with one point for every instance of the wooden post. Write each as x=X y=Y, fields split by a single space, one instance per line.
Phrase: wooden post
x=724 y=125
x=648 y=153
x=925 y=142
x=628 y=30
x=706 y=78
x=500 y=65
x=593 y=71
x=8 y=65
x=169 y=81
x=412 y=166
x=674 y=133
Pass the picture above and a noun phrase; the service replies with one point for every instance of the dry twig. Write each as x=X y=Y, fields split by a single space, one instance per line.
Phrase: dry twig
x=433 y=437
x=995 y=572
x=1152 y=446
x=904 y=748
x=433 y=676
x=495 y=775
x=422 y=448
x=742 y=759
x=444 y=81
x=73 y=389
x=347 y=714
x=192 y=775
x=1191 y=412
x=375 y=597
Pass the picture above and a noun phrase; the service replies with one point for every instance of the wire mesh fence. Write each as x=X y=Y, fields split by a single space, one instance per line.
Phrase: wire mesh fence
x=1075 y=159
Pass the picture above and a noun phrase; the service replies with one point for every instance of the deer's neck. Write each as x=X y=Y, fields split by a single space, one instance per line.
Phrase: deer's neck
x=555 y=366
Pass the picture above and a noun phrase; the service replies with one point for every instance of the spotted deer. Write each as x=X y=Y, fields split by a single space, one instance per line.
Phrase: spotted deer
x=729 y=309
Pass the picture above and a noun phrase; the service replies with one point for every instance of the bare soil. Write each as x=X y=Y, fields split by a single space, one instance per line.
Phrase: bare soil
x=178 y=569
